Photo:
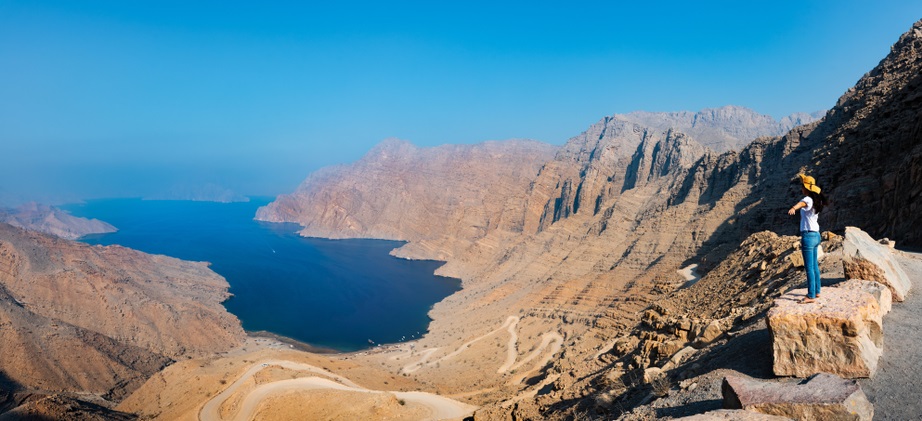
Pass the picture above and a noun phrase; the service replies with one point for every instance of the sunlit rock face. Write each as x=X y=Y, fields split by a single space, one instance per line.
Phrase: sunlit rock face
x=101 y=320
x=51 y=220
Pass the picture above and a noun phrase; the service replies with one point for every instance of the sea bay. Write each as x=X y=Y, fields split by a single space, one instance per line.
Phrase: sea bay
x=337 y=294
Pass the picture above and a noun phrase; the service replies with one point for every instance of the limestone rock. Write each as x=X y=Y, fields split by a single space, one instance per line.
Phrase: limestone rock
x=887 y=242
x=880 y=292
x=821 y=397
x=840 y=333
x=869 y=260
x=652 y=373
x=711 y=332
x=678 y=357
x=797 y=259
x=733 y=415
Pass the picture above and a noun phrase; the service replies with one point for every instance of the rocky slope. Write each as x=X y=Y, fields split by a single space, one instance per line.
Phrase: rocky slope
x=725 y=128
x=605 y=224
x=442 y=198
x=101 y=320
x=600 y=230
x=51 y=220
x=866 y=153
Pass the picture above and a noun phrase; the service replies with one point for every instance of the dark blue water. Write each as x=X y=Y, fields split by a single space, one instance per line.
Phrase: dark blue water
x=330 y=293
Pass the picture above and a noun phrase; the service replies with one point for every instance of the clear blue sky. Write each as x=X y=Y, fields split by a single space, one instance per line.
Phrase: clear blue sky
x=103 y=98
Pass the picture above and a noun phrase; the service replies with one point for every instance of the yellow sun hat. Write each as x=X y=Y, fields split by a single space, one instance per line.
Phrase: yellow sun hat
x=809 y=183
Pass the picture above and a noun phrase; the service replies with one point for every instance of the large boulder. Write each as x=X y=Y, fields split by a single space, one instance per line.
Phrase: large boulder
x=869 y=260
x=821 y=397
x=733 y=415
x=877 y=290
x=840 y=333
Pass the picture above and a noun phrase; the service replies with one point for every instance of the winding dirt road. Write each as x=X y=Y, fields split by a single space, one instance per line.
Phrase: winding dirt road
x=440 y=407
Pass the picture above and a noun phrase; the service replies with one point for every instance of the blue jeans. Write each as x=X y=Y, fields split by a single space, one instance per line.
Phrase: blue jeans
x=809 y=241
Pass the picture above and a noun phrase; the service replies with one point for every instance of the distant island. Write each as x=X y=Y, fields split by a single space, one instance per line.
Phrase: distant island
x=208 y=192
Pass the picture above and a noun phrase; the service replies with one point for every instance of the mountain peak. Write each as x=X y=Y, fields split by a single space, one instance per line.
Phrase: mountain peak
x=730 y=127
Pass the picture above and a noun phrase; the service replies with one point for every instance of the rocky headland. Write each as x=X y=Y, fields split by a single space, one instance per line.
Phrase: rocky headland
x=441 y=199
x=96 y=322
x=51 y=220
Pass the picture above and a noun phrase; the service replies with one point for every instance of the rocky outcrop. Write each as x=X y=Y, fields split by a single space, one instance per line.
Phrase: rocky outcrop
x=54 y=221
x=880 y=292
x=63 y=408
x=721 y=129
x=869 y=260
x=101 y=320
x=442 y=198
x=822 y=397
x=840 y=333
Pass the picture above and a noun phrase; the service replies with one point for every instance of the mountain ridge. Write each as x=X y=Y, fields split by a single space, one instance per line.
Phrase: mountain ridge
x=52 y=220
x=730 y=127
x=622 y=206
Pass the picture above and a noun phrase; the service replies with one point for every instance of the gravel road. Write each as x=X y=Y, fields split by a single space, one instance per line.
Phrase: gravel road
x=895 y=389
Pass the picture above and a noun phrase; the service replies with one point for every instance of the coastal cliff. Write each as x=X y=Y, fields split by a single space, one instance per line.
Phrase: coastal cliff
x=54 y=221
x=441 y=199
x=101 y=320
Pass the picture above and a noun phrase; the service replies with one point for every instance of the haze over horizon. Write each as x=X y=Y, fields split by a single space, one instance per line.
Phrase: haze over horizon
x=105 y=98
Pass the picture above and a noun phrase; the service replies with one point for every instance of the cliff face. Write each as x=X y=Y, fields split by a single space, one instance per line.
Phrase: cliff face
x=101 y=320
x=871 y=151
x=440 y=198
x=606 y=160
x=51 y=220
x=866 y=154
x=721 y=129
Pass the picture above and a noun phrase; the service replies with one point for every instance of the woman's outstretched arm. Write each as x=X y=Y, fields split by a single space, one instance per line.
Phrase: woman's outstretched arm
x=794 y=209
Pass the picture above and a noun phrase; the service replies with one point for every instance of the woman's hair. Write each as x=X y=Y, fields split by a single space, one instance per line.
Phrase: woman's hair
x=819 y=201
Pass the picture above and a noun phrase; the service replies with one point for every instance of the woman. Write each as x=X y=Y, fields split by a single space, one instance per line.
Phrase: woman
x=810 y=207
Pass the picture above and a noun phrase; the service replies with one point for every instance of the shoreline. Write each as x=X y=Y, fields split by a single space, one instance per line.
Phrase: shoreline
x=295 y=344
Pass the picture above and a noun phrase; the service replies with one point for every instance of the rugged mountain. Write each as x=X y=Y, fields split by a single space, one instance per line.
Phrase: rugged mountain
x=607 y=221
x=594 y=234
x=721 y=129
x=101 y=320
x=54 y=221
x=866 y=153
x=440 y=198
